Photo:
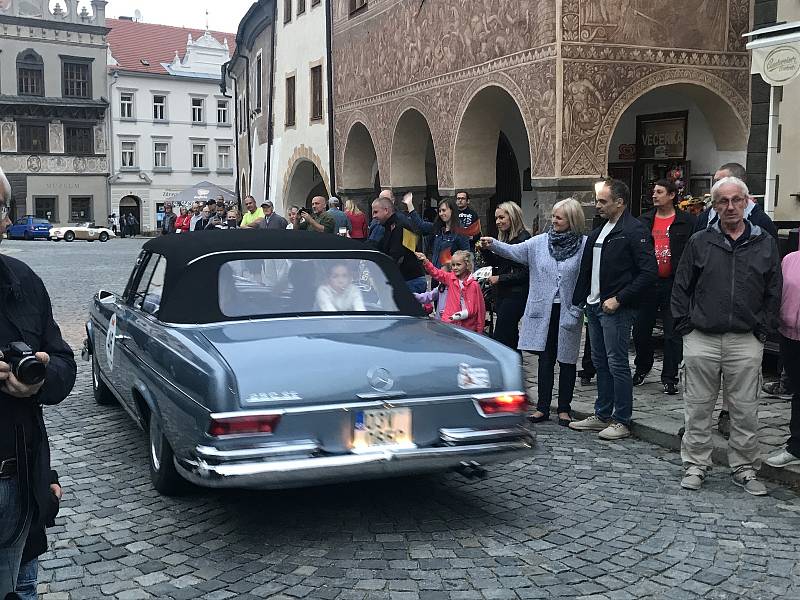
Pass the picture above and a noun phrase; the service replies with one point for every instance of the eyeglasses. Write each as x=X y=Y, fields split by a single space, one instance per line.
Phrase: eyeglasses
x=735 y=201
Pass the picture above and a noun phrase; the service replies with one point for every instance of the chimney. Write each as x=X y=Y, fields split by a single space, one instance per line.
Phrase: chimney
x=99 y=10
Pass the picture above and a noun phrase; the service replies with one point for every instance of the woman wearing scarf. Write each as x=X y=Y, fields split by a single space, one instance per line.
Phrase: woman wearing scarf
x=550 y=332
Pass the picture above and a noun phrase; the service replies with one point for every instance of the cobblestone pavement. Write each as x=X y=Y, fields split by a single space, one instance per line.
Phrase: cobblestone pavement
x=581 y=518
x=663 y=414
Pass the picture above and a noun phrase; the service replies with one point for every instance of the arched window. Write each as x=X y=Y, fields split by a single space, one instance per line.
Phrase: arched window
x=30 y=74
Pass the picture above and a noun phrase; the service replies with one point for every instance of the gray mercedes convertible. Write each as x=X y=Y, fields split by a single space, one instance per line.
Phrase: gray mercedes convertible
x=286 y=359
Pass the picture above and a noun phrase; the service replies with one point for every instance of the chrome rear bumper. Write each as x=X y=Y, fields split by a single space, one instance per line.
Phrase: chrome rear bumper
x=293 y=466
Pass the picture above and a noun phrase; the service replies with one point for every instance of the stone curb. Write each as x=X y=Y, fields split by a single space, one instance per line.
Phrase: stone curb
x=663 y=432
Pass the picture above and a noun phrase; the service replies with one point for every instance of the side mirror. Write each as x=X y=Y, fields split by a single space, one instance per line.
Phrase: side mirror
x=105 y=297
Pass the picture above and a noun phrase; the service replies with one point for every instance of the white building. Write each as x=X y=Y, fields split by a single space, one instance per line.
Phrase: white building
x=171 y=127
x=301 y=159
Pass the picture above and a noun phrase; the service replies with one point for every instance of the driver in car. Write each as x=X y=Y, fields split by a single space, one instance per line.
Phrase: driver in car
x=339 y=294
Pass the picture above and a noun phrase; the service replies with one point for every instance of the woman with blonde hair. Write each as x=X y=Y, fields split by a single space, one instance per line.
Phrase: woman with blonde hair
x=509 y=278
x=551 y=326
x=358 y=220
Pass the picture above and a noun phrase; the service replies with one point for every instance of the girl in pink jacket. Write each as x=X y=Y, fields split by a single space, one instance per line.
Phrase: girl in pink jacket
x=464 y=305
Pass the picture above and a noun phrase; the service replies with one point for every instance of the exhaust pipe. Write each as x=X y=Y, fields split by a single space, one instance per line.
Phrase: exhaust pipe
x=472 y=470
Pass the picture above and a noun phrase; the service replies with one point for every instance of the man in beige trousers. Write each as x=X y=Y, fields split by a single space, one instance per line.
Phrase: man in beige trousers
x=725 y=301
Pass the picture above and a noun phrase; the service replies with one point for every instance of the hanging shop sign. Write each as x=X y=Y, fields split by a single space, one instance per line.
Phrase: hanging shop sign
x=778 y=65
x=661 y=136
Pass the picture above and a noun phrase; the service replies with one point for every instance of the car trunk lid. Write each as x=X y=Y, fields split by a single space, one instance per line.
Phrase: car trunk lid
x=329 y=360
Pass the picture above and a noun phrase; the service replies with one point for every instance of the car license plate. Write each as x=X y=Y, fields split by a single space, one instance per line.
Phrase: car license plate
x=382 y=427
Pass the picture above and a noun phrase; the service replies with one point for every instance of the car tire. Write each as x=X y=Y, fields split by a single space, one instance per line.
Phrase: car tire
x=103 y=236
x=69 y=236
x=28 y=236
x=161 y=458
x=102 y=395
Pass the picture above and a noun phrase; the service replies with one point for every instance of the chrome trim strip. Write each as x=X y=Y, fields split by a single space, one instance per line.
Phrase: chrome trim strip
x=283 y=252
x=384 y=462
x=458 y=435
x=233 y=321
x=348 y=406
x=299 y=447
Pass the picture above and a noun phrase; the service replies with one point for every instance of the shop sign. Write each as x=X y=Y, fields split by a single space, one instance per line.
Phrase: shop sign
x=781 y=65
x=661 y=137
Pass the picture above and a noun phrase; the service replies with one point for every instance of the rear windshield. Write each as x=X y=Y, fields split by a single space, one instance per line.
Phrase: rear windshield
x=277 y=286
x=41 y=222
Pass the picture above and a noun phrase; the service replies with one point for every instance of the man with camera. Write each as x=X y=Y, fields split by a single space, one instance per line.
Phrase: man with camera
x=36 y=368
x=318 y=219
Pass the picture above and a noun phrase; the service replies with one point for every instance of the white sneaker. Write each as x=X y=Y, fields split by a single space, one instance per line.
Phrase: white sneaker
x=590 y=423
x=615 y=431
x=784 y=458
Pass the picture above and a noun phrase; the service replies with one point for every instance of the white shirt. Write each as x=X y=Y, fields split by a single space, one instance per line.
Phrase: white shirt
x=597 y=253
x=329 y=300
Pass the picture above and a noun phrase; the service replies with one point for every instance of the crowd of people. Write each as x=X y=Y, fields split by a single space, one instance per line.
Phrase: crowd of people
x=715 y=281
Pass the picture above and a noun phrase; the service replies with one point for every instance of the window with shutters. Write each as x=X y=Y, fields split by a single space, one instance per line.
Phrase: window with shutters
x=357 y=6
x=316 y=93
x=159 y=108
x=76 y=79
x=32 y=138
x=291 y=102
x=30 y=74
x=126 y=105
x=78 y=140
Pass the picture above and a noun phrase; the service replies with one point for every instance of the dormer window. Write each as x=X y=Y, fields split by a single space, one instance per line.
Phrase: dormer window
x=30 y=74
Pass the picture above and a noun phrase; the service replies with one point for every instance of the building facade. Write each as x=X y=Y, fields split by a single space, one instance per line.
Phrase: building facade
x=534 y=100
x=775 y=134
x=53 y=109
x=251 y=69
x=301 y=149
x=171 y=126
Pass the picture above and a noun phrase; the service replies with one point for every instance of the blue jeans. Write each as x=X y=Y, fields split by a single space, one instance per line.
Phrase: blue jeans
x=418 y=285
x=27 y=580
x=11 y=512
x=610 y=336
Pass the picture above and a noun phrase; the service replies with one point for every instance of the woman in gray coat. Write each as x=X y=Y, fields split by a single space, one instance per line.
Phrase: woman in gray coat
x=551 y=326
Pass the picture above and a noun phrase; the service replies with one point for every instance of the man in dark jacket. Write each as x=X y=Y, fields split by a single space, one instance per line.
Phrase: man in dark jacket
x=669 y=229
x=617 y=268
x=25 y=316
x=271 y=220
x=725 y=302
x=753 y=212
x=168 y=222
x=391 y=244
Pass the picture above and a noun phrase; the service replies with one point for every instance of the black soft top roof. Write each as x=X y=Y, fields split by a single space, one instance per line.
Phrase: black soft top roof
x=190 y=293
x=182 y=249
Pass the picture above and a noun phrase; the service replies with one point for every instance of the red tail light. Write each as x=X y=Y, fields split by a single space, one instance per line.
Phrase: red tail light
x=244 y=425
x=503 y=403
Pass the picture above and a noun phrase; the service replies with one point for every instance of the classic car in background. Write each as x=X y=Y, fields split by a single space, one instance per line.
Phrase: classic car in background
x=81 y=231
x=296 y=359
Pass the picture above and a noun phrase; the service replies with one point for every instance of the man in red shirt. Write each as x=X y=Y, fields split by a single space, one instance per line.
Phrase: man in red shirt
x=670 y=229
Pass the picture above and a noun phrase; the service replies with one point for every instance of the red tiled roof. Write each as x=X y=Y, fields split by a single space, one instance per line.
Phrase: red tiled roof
x=131 y=42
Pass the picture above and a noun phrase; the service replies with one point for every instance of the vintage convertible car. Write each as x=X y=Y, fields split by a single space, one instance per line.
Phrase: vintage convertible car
x=81 y=231
x=295 y=358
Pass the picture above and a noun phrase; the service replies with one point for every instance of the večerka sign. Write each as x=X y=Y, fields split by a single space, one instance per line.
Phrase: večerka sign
x=661 y=138
x=781 y=65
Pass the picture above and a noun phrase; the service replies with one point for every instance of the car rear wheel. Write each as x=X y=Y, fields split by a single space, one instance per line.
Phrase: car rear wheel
x=103 y=236
x=102 y=395
x=69 y=236
x=163 y=473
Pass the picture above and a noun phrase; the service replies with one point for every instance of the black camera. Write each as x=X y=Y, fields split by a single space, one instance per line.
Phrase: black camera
x=23 y=363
